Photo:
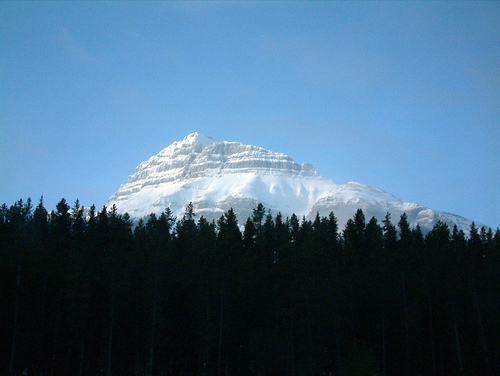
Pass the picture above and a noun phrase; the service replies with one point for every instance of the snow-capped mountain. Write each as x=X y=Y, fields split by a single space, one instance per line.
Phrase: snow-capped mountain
x=216 y=176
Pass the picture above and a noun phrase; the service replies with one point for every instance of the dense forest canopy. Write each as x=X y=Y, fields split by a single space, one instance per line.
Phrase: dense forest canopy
x=96 y=294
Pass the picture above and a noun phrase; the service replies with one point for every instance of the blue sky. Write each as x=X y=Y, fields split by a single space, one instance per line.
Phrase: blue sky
x=403 y=96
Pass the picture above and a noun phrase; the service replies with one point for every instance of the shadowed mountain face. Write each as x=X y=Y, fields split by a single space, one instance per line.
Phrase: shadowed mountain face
x=216 y=176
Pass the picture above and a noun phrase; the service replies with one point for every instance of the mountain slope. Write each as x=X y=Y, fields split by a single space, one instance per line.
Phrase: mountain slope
x=216 y=176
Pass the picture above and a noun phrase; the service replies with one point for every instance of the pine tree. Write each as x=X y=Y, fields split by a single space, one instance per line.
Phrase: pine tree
x=390 y=233
x=229 y=242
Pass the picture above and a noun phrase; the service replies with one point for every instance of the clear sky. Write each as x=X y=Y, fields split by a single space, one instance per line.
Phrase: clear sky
x=403 y=96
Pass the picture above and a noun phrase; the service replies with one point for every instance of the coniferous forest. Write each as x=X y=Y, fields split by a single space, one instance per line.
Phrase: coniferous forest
x=92 y=293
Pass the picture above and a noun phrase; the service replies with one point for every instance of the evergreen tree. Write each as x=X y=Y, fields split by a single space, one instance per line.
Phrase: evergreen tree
x=373 y=240
x=390 y=233
x=285 y=297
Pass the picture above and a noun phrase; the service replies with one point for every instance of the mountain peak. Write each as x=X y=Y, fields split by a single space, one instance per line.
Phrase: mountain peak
x=200 y=138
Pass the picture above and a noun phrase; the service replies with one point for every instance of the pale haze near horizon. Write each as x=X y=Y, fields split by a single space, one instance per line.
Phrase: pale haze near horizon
x=403 y=96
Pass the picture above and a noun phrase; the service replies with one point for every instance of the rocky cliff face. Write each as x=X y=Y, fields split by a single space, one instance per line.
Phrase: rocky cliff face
x=216 y=176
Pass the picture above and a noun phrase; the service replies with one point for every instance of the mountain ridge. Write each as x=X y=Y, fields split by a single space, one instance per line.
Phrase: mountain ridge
x=216 y=176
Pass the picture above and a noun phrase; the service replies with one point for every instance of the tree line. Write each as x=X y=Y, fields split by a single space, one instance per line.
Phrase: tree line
x=87 y=292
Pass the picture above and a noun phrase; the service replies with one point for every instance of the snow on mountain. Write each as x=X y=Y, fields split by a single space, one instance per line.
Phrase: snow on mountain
x=216 y=176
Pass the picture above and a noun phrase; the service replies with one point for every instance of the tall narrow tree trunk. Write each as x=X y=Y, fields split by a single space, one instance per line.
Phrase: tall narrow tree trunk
x=337 y=344
x=56 y=332
x=480 y=325
x=291 y=347
x=110 y=340
x=310 y=335
x=153 y=327
x=384 y=349
x=111 y=324
x=457 y=343
x=407 y=326
x=82 y=353
x=433 y=346
x=219 y=367
x=139 y=353
x=206 y=335
x=41 y=327
x=14 y=325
